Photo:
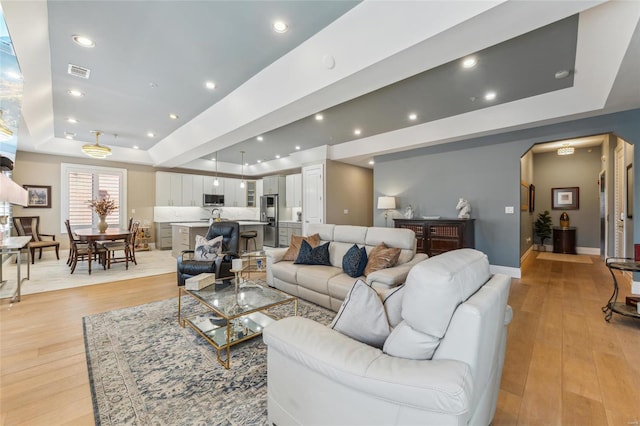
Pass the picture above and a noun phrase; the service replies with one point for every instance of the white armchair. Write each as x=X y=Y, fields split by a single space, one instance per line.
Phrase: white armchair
x=317 y=375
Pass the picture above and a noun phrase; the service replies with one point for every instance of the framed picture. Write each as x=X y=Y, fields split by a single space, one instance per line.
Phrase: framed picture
x=524 y=196
x=532 y=197
x=38 y=196
x=630 y=191
x=565 y=198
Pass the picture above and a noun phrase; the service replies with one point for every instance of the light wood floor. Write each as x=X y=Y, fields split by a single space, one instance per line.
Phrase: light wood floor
x=564 y=363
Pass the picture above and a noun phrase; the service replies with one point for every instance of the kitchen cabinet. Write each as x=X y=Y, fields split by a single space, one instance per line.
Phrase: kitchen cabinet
x=184 y=237
x=234 y=195
x=294 y=190
x=286 y=230
x=210 y=188
x=274 y=185
x=192 y=188
x=168 y=189
x=163 y=235
x=252 y=194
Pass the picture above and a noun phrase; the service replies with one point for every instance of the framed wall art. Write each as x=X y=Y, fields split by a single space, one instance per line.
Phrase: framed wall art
x=524 y=196
x=38 y=196
x=565 y=198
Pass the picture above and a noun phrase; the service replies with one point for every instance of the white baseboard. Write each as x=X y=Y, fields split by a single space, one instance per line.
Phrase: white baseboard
x=526 y=253
x=595 y=251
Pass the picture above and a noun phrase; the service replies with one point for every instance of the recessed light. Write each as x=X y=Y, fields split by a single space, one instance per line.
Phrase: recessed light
x=372 y=162
x=173 y=116
x=277 y=156
x=83 y=41
x=260 y=138
x=69 y=135
x=75 y=93
x=151 y=134
x=469 y=62
x=136 y=147
x=153 y=85
x=259 y=161
x=297 y=147
x=319 y=117
x=489 y=96
x=210 y=85
x=280 y=27
x=246 y=164
x=72 y=120
x=357 y=132
x=562 y=74
x=413 y=116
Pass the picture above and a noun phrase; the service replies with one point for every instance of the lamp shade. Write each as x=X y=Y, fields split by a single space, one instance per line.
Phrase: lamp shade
x=386 y=202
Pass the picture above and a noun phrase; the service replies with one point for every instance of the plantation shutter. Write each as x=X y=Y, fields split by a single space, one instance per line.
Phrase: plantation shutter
x=81 y=184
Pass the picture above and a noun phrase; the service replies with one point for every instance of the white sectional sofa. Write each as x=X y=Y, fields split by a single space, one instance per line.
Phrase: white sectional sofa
x=328 y=285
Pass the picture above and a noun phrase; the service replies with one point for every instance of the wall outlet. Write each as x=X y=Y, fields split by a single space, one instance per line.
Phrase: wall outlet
x=346 y=211
x=509 y=210
x=133 y=211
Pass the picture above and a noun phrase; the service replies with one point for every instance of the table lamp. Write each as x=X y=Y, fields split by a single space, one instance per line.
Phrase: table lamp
x=386 y=203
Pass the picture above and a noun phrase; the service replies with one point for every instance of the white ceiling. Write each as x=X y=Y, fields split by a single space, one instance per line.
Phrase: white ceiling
x=339 y=58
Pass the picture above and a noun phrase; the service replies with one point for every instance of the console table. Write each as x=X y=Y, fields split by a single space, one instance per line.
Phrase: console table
x=621 y=264
x=564 y=240
x=435 y=236
x=15 y=245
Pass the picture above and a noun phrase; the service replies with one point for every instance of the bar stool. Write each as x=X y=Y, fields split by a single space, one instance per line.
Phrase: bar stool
x=247 y=236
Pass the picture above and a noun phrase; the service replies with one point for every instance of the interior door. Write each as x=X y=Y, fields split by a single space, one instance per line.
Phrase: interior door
x=603 y=214
x=313 y=194
x=620 y=199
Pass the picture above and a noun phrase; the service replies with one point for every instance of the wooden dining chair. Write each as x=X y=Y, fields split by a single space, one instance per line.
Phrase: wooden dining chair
x=128 y=246
x=79 y=250
x=29 y=226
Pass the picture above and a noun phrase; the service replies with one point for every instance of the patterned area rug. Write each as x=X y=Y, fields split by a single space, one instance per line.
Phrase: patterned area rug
x=560 y=257
x=145 y=369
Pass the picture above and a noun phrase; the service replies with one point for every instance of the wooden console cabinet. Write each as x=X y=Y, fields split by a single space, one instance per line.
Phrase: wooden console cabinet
x=435 y=236
x=564 y=240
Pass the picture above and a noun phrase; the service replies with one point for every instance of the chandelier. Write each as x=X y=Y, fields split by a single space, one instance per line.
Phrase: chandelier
x=97 y=150
x=5 y=132
x=566 y=149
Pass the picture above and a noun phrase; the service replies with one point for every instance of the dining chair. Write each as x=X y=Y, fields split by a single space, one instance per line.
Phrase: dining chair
x=128 y=246
x=29 y=226
x=79 y=250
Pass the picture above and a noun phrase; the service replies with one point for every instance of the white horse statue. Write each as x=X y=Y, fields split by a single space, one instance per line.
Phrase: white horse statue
x=464 y=209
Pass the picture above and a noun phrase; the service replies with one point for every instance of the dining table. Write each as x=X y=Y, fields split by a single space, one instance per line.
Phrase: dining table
x=91 y=235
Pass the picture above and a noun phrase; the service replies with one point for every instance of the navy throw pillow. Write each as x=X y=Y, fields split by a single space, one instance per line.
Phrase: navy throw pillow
x=313 y=256
x=354 y=261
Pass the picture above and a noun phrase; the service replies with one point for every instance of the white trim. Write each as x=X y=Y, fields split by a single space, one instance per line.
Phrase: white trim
x=595 y=251
x=507 y=270
x=526 y=253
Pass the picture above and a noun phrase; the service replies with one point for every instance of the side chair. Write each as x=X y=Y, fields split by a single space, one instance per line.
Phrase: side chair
x=29 y=226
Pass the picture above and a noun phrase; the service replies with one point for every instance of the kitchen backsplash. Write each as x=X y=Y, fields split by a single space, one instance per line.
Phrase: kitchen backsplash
x=194 y=214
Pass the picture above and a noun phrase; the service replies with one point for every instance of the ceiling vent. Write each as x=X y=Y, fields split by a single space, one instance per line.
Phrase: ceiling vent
x=78 y=71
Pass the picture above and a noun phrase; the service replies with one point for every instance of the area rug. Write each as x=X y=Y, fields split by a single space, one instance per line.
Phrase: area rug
x=145 y=369
x=49 y=273
x=560 y=257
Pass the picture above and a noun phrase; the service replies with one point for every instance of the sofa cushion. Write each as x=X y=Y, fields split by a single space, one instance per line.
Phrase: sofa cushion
x=350 y=234
x=294 y=245
x=286 y=271
x=381 y=257
x=392 y=303
x=339 y=286
x=362 y=316
x=354 y=261
x=405 y=342
x=317 y=277
x=313 y=256
x=207 y=250
x=325 y=230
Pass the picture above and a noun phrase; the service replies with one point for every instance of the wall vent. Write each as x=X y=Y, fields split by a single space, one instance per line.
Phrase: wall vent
x=78 y=71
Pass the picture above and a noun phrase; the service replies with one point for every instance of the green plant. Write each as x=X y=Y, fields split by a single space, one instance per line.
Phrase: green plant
x=542 y=226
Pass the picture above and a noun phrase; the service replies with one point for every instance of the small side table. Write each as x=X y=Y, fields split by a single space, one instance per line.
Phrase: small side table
x=621 y=264
x=564 y=240
x=15 y=245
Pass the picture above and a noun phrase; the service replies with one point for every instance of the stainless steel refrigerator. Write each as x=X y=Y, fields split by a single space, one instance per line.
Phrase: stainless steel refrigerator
x=269 y=211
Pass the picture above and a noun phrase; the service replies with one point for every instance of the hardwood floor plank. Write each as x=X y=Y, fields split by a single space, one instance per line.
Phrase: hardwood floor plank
x=578 y=410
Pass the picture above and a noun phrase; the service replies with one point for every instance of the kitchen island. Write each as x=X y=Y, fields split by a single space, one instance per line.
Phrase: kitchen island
x=184 y=234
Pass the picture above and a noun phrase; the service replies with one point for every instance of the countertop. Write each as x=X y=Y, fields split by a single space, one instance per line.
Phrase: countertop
x=291 y=221
x=205 y=224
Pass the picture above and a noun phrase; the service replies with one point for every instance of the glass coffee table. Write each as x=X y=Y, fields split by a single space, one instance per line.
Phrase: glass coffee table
x=256 y=261
x=236 y=313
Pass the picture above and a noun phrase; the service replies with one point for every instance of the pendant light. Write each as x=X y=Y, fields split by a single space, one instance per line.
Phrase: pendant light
x=215 y=181
x=242 y=181
x=97 y=150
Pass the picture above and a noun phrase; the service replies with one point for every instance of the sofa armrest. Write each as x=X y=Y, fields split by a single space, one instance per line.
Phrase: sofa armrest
x=394 y=276
x=275 y=255
x=439 y=386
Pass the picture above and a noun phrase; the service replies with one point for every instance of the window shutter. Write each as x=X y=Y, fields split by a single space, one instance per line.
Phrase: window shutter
x=80 y=193
x=109 y=186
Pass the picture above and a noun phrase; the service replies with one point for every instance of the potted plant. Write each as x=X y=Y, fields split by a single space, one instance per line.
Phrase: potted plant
x=542 y=228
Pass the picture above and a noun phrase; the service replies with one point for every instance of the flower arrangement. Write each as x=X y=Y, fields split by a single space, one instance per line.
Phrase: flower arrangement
x=103 y=206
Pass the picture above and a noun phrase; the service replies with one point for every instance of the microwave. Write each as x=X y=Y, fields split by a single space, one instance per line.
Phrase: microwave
x=213 y=200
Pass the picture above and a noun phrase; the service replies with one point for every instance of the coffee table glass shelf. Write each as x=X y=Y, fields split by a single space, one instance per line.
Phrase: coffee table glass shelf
x=236 y=313
x=620 y=264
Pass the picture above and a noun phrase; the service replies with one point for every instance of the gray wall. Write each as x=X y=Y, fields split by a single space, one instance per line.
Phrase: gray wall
x=487 y=172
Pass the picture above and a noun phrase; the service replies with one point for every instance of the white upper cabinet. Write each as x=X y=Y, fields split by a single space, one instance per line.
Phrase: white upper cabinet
x=192 y=187
x=168 y=189
x=294 y=190
x=210 y=188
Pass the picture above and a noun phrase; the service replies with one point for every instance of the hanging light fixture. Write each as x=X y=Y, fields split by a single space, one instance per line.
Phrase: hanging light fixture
x=242 y=181
x=215 y=181
x=566 y=149
x=97 y=150
x=5 y=132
